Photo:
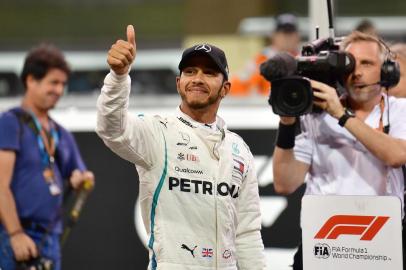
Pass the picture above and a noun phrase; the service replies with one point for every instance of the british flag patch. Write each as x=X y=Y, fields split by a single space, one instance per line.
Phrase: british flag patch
x=207 y=252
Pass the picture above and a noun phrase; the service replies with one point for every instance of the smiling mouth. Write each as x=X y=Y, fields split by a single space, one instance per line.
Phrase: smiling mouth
x=197 y=90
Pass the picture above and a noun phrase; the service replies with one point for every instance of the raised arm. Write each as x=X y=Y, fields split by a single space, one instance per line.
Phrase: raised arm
x=132 y=138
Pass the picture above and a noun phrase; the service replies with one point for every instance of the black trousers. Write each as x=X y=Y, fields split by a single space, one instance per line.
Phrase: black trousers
x=298 y=258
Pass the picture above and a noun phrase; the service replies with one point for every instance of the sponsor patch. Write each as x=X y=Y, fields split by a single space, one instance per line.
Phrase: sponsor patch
x=207 y=252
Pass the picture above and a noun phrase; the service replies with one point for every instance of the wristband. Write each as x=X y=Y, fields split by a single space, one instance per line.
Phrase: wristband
x=16 y=232
x=285 y=138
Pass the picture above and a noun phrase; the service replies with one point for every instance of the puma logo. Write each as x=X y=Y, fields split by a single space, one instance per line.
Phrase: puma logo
x=192 y=251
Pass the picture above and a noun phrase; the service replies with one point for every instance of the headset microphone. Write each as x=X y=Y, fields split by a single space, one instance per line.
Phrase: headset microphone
x=369 y=84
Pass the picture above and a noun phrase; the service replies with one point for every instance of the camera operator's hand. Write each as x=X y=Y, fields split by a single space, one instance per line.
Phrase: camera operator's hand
x=328 y=99
x=287 y=120
x=122 y=53
x=23 y=247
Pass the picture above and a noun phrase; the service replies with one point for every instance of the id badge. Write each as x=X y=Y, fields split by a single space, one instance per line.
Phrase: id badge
x=48 y=175
x=54 y=189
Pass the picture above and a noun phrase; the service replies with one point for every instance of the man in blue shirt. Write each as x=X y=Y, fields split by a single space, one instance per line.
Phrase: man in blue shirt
x=36 y=156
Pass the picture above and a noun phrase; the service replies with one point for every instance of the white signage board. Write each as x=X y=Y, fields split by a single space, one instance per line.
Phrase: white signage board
x=351 y=232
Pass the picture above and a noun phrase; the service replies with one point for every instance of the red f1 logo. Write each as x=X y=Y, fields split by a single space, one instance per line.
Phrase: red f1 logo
x=366 y=226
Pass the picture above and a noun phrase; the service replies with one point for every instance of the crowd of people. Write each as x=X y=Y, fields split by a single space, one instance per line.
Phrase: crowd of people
x=198 y=184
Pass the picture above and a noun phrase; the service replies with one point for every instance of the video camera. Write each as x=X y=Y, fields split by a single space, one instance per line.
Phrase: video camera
x=320 y=60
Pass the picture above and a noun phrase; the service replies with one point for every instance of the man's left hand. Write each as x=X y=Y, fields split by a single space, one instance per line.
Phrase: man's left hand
x=328 y=99
x=78 y=177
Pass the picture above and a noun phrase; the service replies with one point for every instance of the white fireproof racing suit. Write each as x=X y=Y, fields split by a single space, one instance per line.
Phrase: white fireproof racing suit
x=198 y=188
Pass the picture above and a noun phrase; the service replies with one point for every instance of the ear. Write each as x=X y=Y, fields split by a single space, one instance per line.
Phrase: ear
x=225 y=89
x=30 y=81
x=178 y=83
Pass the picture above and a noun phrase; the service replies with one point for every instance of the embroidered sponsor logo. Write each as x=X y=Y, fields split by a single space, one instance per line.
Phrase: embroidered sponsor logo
x=185 y=139
x=203 y=187
x=187 y=170
x=191 y=157
x=181 y=156
x=235 y=148
x=227 y=254
x=186 y=122
x=191 y=250
x=239 y=166
x=164 y=123
x=188 y=157
x=204 y=47
x=207 y=252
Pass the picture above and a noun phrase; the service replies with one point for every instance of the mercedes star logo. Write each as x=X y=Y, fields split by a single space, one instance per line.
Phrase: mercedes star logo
x=204 y=47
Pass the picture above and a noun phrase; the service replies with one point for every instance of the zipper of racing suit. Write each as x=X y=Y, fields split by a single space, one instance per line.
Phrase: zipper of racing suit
x=215 y=205
x=216 y=176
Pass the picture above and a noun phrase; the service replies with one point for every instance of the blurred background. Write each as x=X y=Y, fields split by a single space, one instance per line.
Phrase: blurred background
x=109 y=234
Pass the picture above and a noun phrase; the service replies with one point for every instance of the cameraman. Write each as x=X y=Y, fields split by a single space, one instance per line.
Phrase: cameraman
x=345 y=149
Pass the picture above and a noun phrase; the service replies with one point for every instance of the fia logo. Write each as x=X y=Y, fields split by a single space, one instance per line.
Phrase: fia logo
x=322 y=251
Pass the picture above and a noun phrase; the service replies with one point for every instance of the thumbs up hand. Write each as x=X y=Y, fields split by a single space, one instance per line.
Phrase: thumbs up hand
x=122 y=53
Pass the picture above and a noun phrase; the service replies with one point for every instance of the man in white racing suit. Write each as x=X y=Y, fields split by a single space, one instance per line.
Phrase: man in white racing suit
x=198 y=188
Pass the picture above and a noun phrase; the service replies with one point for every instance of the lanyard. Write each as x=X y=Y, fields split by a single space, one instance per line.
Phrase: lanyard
x=47 y=144
x=382 y=108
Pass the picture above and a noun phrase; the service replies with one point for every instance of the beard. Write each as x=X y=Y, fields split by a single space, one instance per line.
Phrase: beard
x=363 y=94
x=195 y=103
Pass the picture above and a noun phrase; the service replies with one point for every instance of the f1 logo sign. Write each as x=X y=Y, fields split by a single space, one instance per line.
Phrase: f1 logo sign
x=366 y=226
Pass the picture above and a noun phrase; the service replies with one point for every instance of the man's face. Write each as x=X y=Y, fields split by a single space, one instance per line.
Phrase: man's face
x=45 y=93
x=367 y=70
x=286 y=41
x=201 y=83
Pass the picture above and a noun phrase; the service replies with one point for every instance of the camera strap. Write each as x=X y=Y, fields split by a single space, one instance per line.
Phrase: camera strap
x=25 y=118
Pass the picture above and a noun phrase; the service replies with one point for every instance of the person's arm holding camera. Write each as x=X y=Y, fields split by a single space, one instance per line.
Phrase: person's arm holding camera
x=23 y=246
x=390 y=150
x=288 y=172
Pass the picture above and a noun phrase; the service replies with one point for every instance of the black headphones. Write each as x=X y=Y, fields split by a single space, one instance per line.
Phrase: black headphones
x=390 y=71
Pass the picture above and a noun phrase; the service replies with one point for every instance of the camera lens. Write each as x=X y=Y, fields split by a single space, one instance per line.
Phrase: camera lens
x=292 y=97
x=295 y=96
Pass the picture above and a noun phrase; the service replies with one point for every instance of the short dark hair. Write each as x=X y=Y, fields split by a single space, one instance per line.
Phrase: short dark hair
x=365 y=26
x=40 y=60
